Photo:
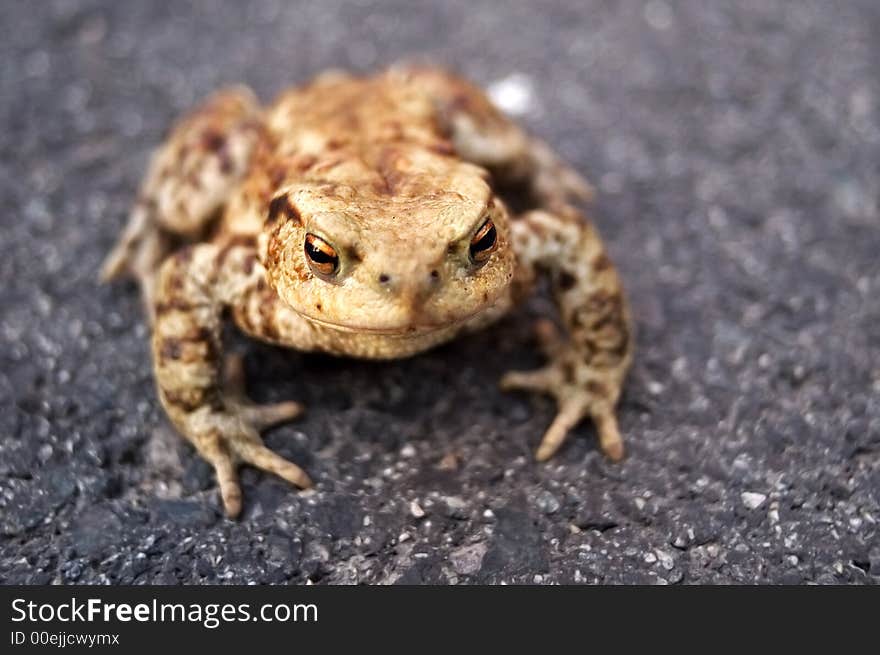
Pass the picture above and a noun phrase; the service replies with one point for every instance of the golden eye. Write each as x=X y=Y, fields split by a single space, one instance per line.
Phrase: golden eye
x=484 y=242
x=322 y=256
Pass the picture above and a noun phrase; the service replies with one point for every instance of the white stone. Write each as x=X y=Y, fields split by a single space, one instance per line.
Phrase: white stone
x=416 y=510
x=514 y=94
x=666 y=560
x=753 y=499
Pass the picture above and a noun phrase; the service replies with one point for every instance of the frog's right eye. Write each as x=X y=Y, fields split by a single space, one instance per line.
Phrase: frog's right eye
x=321 y=256
x=483 y=243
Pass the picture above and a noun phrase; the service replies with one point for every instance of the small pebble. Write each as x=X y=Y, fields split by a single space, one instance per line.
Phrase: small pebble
x=547 y=502
x=753 y=500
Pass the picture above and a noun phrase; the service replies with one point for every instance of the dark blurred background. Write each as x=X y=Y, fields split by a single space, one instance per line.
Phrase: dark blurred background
x=735 y=147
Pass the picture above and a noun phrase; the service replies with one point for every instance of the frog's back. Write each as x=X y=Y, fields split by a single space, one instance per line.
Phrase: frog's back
x=338 y=127
x=337 y=111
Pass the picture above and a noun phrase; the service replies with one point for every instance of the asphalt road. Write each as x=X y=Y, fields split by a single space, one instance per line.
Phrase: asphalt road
x=735 y=147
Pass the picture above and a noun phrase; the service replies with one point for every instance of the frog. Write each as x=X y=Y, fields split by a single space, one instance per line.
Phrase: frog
x=366 y=216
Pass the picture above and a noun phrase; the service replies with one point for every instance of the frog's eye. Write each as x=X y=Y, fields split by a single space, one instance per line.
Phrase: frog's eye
x=484 y=242
x=322 y=256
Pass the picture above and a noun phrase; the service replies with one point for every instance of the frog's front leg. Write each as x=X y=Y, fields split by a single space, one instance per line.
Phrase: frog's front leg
x=588 y=365
x=193 y=289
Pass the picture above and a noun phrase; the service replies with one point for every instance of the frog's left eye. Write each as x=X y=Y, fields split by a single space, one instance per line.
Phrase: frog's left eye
x=322 y=256
x=484 y=242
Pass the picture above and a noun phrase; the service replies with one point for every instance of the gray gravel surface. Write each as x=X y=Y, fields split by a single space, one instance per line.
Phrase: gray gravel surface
x=736 y=149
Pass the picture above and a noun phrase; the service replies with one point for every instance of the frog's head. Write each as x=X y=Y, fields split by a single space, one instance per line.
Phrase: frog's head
x=390 y=252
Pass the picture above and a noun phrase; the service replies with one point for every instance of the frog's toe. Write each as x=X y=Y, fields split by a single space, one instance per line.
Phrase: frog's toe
x=265 y=416
x=542 y=380
x=610 y=440
x=256 y=454
x=215 y=450
x=571 y=411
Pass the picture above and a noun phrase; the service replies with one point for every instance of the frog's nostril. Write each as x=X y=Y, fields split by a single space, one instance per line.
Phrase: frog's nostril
x=384 y=278
x=435 y=275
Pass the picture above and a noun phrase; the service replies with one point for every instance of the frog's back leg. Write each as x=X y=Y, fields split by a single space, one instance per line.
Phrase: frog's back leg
x=482 y=134
x=190 y=178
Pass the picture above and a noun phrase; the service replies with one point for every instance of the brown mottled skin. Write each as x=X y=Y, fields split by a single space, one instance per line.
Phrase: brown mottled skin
x=359 y=217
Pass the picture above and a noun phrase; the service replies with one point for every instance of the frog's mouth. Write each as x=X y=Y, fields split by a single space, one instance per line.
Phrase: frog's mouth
x=402 y=331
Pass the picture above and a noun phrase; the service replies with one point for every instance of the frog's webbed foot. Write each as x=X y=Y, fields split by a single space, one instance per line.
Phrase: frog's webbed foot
x=232 y=437
x=575 y=399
